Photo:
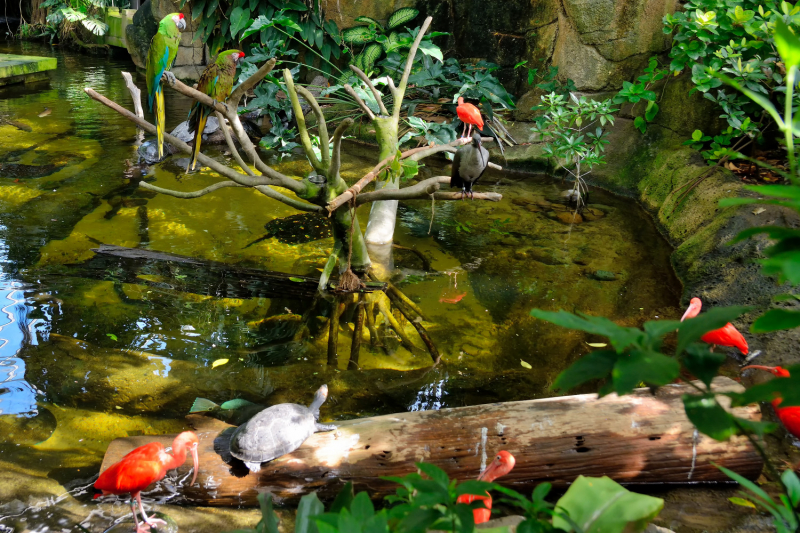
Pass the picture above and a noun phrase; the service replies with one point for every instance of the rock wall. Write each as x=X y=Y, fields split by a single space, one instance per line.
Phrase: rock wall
x=192 y=54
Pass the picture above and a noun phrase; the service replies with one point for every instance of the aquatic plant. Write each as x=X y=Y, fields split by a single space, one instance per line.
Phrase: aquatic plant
x=429 y=501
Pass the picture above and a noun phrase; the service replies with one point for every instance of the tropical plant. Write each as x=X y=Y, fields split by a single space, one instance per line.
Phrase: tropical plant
x=574 y=130
x=733 y=38
x=640 y=91
x=376 y=39
x=421 y=504
x=433 y=132
x=64 y=12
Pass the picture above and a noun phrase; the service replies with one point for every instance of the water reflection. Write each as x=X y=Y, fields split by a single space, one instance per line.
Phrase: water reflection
x=17 y=396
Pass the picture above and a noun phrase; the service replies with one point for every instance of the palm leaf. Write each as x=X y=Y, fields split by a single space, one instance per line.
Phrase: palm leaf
x=401 y=16
x=358 y=35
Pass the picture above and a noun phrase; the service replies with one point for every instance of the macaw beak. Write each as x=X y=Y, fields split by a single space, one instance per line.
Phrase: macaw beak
x=196 y=462
x=181 y=24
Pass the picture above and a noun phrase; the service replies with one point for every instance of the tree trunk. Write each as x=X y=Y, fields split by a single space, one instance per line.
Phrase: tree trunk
x=382 y=216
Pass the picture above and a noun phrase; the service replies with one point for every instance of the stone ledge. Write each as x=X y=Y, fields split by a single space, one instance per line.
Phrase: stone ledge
x=24 y=69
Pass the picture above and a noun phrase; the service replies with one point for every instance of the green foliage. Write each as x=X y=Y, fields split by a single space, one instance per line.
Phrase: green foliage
x=735 y=38
x=784 y=517
x=434 y=132
x=63 y=13
x=451 y=80
x=574 y=130
x=639 y=91
x=380 y=40
x=429 y=500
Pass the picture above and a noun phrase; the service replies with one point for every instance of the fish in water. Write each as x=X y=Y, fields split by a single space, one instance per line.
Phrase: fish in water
x=235 y=411
x=296 y=229
x=46 y=112
x=451 y=295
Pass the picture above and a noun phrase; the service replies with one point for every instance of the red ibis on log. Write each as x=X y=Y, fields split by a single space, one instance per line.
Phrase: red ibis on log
x=640 y=438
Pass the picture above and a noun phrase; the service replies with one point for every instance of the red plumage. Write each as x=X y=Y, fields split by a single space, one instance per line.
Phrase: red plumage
x=142 y=467
x=727 y=335
x=502 y=465
x=469 y=114
x=789 y=416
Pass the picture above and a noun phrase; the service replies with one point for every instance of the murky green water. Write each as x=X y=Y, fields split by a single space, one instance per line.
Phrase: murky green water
x=94 y=349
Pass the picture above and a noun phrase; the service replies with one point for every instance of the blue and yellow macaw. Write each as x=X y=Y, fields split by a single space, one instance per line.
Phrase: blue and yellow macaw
x=163 y=49
x=217 y=82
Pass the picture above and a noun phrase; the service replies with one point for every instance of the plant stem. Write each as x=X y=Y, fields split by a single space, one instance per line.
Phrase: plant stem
x=788 y=125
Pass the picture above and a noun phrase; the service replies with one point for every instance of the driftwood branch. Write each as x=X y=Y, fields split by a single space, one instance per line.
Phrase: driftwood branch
x=401 y=89
x=305 y=140
x=364 y=107
x=452 y=150
x=423 y=190
x=136 y=94
x=345 y=197
x=377 y=94
x=231 y=146
x=190 y=194
x=322 y=126
x=249 y=83
x=266 y=190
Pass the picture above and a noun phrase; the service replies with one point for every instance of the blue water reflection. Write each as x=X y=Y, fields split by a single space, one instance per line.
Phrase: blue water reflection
x=17 y=396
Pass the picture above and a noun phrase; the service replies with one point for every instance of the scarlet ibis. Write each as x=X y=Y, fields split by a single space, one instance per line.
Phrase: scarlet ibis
x=469 y=164
x=727 y=335
x=143 y=466
x=502 y=465
x=789 y=416
x=469 y=115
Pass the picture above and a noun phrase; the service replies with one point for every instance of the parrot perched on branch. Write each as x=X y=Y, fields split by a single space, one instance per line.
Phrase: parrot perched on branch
x=217 y=82
x=163 y=49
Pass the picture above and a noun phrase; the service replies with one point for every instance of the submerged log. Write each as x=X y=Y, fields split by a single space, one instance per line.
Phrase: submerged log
x=635 y=439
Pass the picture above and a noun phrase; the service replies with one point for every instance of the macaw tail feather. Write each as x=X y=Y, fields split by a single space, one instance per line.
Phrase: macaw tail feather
x=198 y=135
x=160 y=121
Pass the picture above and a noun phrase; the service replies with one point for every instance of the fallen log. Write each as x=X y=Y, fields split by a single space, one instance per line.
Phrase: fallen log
x=635 y=439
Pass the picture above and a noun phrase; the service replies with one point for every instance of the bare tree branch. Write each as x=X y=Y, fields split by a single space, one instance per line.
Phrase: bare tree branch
x=453 y=150
x=305 y=140
x=266 y=190
x=234 y=151
x=190 y=194
x=336 y=160
x=345 y=197
x=423 y=190
x=364 y=107
x=322 y=126
x=250 y=82
x=377 y=94
x=401 y=89
x=136 y=94
x=392 y=88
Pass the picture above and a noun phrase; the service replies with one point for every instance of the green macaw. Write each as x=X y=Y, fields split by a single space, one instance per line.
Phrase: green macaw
x=163 y=49
x=217 y=82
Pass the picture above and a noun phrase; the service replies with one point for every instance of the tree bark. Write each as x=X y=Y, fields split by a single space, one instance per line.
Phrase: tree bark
x=636 y=439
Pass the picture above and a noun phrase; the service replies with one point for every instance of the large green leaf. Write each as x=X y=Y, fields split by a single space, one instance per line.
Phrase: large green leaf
x=600 y=505
x=401 y=16
x=269 y=520
x=343 y=499
x=692 y=329
x=620 y=337
x=371 y=54
x=430 y=49
x=358 y=35
x=309 y=507
x=645 y=366
x=702 y=362
x=708 y=416
x=240 y=19
x=775 y=320
x=197 y=8
x=596 y=365
x=787 y=43
x=368 y=21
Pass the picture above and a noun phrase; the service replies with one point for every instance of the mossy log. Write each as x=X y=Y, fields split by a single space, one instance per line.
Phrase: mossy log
x=636 y=439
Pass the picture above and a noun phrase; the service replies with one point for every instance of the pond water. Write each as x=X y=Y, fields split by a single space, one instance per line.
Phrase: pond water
x=94 y=348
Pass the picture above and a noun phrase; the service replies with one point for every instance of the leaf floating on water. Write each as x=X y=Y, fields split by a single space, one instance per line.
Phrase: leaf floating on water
x=113 y=337
x=741 y=501
x=757 y=211
x=297 y=280
x=117 y=407
x=597 y=344
x=525 y=364
x=218 y=362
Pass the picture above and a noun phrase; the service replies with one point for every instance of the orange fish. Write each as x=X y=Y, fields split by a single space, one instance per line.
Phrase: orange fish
x=446 y=299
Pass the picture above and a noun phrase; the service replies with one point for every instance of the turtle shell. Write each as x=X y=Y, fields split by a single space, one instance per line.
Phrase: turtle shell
x=273 y=432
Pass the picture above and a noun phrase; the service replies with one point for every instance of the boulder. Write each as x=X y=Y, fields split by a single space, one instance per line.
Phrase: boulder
x=139 y=33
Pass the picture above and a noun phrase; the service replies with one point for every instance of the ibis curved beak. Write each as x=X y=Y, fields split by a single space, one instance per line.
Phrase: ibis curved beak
x=196 y=462
x=759 y=367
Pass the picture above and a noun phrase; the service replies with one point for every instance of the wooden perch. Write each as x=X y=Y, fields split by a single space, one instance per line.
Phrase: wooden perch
x=636 y=439
x=136 y=94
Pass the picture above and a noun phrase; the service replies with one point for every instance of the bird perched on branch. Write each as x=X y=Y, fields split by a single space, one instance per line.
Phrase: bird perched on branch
x=469 y=115
x=789 y=416
x=160 y=57
x=727 y=335
x=502 y=465
x=469 y=164
x=142 y=467
x=217 y=82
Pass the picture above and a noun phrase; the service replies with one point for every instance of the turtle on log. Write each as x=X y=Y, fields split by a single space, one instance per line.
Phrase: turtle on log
x=277 y=430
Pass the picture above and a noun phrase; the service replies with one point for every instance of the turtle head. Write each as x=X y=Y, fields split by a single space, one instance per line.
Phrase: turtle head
x=319 y=399
x=476 y=140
